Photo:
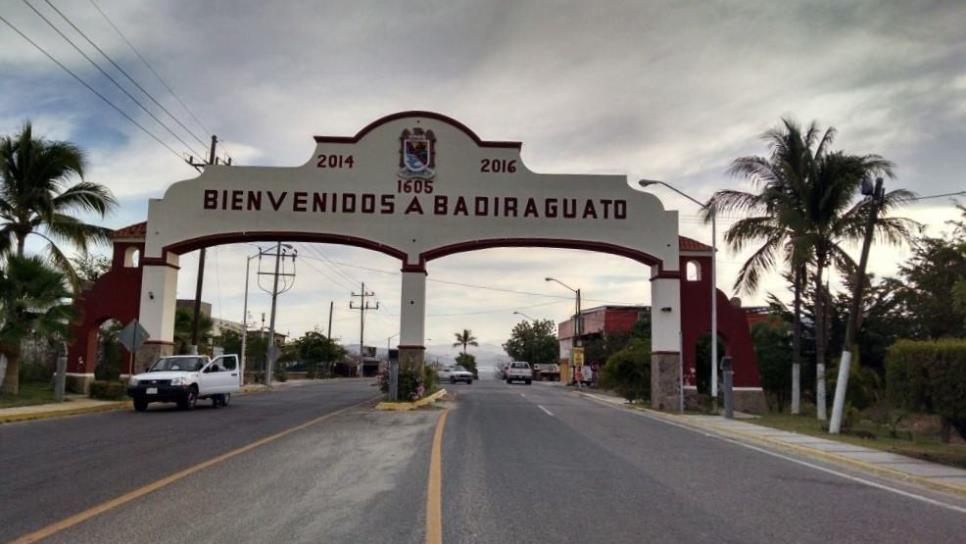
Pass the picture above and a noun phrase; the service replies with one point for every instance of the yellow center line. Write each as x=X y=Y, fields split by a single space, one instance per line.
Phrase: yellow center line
x=81 y=517
x=434 y=501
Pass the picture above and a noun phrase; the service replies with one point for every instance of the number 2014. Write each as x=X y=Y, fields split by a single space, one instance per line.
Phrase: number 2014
x=335 y=161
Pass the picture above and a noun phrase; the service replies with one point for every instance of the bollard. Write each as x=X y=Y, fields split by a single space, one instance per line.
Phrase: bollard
x=729 y=378
x=60 y=378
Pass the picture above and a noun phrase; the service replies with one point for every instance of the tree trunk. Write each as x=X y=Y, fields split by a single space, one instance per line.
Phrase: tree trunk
x=21 y=239
x=820 y=404
x=11 y=377
x=797 y=344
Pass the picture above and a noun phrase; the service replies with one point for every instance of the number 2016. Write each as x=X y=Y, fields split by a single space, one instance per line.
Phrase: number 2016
x=335 y=161
x=498 y=166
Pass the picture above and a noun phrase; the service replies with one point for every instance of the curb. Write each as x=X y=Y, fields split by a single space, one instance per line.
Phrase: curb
x=406 y=406
x=30 y=416
x=802 y=450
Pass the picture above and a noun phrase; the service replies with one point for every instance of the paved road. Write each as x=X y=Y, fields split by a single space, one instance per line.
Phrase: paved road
x=519 y=464
x=539 y=464
x=53 y=468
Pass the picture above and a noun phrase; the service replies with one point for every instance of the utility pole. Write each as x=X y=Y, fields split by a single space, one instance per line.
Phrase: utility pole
x=851 y=325
x=331 y=308
x=196 y=319
x=281 y=252
x=362 y=307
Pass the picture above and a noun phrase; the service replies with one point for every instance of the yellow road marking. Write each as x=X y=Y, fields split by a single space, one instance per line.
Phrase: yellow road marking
x=434 y=501
x=81 y=517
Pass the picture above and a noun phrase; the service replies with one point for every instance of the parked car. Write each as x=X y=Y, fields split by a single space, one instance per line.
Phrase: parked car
x=520 y=372
x=184 y=379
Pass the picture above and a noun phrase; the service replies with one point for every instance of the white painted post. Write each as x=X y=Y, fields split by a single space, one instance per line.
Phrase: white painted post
x=412 y=311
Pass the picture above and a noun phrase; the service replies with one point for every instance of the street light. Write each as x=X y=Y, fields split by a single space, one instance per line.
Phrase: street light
x=644 y=183
x=578 y=329
x=244 y=338
x=524 y=315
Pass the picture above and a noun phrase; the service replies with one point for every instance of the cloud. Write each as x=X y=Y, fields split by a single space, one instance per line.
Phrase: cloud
x=656 y=90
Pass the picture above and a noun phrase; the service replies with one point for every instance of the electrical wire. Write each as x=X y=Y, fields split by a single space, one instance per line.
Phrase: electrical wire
x=109 y=77
x=92 y=89
x=123 y=71
x=151 y=68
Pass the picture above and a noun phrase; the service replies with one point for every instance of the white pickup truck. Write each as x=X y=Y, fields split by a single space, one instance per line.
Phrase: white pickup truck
x=184 y=379
x=520 y=372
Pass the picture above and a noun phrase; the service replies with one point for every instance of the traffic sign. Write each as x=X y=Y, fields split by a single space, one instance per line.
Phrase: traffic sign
x=578 y=354
x=133 y=336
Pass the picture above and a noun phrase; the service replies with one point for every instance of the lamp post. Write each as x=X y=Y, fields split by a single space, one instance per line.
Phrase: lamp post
x=578 y=329
x=644 y=183
x=244 y=338
x=524 y=315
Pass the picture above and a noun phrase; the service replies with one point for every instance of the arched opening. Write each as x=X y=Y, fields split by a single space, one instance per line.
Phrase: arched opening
x=692 y=271
x=132 y=257
x=702 y=358
x=492 y=290
x=109 y=356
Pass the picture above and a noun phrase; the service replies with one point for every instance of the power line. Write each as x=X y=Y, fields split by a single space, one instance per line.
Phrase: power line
x=91 y=89
x=123 y=71
x=151 y=68
x=335 y=280
x=108 y=76
x=332 y=264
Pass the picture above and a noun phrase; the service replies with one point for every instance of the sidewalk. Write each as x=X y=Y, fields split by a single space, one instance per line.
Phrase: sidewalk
x=78 y=404
x=936 y=476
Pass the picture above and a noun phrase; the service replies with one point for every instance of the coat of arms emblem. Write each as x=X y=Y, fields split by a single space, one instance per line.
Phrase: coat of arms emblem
x=417 y=154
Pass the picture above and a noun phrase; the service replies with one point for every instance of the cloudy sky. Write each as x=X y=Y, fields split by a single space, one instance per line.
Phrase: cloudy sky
x=663 y=90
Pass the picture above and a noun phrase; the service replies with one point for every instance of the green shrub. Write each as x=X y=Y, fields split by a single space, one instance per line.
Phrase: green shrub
x=929 y=376
x=429 y=378
x=773 y=349
x=101 y=389
x=281 y=375
x=628 y=372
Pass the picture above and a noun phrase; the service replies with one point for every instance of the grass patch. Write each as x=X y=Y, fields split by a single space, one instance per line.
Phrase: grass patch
x=927 y=448
x=30 y=394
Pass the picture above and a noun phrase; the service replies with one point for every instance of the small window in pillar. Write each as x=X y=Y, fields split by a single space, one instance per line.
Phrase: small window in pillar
x=692 y=271
x=132 y=257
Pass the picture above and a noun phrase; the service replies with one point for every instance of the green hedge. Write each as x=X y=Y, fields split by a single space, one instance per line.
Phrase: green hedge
x=628 y=372
x=929 y=376
x=107 y=390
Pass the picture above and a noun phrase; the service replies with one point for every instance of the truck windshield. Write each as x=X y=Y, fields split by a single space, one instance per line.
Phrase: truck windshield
x=189 y=364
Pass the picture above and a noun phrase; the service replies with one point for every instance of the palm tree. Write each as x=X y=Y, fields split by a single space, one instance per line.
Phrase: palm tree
x=465 y=339
x=183 y=323
x=33 y=300
x=833 y=218
x=804 y=213
x=776 y=218
x=36 y=198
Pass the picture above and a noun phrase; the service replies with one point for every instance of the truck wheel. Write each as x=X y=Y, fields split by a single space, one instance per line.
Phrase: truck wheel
x=225 y=399
x=140 y=404
x=528 y=382
x=452 y=380
x=189 y=400
x=508 y=380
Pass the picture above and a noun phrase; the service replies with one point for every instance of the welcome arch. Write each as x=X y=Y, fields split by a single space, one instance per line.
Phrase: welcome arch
x=417 y=186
